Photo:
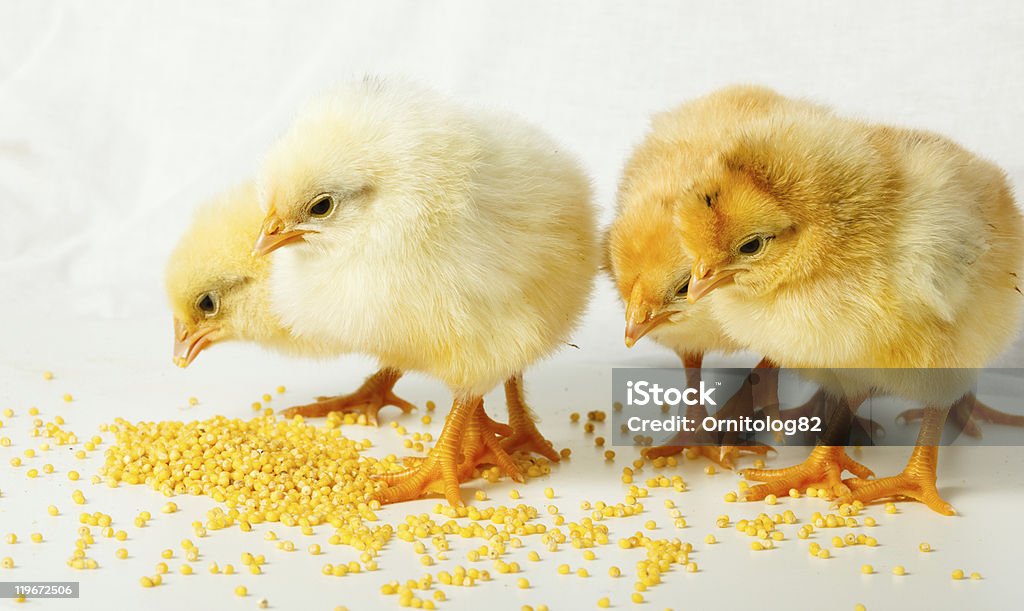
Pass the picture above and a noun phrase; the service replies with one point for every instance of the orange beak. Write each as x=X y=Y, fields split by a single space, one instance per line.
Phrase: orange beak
x=273 y=236
x=705 y=279
x=188 y=345
x=640 y=318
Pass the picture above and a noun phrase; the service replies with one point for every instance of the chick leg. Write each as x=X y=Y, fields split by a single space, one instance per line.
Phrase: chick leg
x=367 y=400
x=822 y=469
x=966 y=415
x=721 y=455
x=439 y=471
x=525 y=435
x=918 y=478
x=815 y=407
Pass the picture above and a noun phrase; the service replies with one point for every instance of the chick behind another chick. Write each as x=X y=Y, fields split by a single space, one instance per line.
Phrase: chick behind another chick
x=644 y=252
x=455 y=243
x=836 y=244
x=219 y=292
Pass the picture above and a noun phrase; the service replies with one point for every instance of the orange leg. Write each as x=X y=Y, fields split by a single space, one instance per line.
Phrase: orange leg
x=815 y=406
x=721 y=455
x=525 y=435
x=822 y=469
x=469 y=438
x=368 y=399
x=966 y=415
x=918 y=478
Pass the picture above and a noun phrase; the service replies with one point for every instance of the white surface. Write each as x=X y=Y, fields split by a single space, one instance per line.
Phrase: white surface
x=117 y=118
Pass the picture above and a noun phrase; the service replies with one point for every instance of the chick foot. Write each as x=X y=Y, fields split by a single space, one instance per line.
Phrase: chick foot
x=439 y=471
x=368 y=399
x=481 y=447
x=723 y=456
x=741 y=404
x=525 y=437
x=966 y=415
x=822 y=469
x=917 y=482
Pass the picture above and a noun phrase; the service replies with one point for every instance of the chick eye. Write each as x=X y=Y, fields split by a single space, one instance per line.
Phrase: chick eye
x=684 y=289
x=322 y=207
x=752 y=245
x=207 y=304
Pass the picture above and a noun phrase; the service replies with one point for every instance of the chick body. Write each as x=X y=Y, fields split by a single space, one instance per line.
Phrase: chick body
x=456 y=243
x=471 y=257
x=836 y=244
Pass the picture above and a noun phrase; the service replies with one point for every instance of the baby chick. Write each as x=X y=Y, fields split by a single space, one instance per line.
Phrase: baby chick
x=645 y=256
x=218 y=292
x=836 y=244
x=455 y=243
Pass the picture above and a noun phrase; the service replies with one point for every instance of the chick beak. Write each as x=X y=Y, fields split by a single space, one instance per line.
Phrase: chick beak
x=705 y=279
x=641 y=319
x=188 y=345
x=274 y=236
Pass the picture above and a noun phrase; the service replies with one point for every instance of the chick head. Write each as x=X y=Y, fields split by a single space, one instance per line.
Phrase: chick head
x=649 y=267
x=776 y=208
x=216 y=289
x=372 y=150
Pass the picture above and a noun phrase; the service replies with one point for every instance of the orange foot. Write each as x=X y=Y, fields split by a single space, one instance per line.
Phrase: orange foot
x=481 y=447
x=966 y=415
x=822 y=469
x=469 y=439
x=525 y=437
x=723 y=456
x=368 y=400
x=916 y=482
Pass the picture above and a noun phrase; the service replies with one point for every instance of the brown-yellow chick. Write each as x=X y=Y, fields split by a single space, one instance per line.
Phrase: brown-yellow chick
x=453 y=242
x=837 y=244
x=643 y=250
x=219 y=292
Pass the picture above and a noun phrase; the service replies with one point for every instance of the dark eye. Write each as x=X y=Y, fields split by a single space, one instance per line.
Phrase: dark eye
x=684 y=289
x=752 y=246
x=322 y=207
x=207 y=304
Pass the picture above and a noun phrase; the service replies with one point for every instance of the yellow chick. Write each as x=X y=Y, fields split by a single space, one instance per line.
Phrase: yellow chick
x=837 y=244
x=645 y=255
x=219 y=292
x=457 y=243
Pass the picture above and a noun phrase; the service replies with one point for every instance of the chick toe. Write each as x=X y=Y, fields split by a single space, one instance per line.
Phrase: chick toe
x=524 y=436
x=917 y=482
x=723 y=456
x=374 y=394
x=822 y=469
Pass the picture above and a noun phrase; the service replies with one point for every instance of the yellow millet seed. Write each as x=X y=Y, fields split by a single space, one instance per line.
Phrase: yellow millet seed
x=241 y=591
x=867 y=569
x=603 y=602
x=958 y=574
x=924 y=547
x=899 y=570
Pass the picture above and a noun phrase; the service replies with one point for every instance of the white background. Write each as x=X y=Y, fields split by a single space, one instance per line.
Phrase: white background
x=117 y=118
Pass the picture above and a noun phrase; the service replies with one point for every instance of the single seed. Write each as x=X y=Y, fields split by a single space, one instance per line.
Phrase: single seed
x=958 y=574
x=899 y=570
x=241 y=591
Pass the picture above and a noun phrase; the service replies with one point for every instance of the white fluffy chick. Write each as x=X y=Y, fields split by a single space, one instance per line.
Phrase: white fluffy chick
x=218 y=292
x=461 y=244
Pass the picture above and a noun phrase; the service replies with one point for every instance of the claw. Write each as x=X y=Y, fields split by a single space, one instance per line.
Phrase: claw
x=368 y=399
x=822 y=469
